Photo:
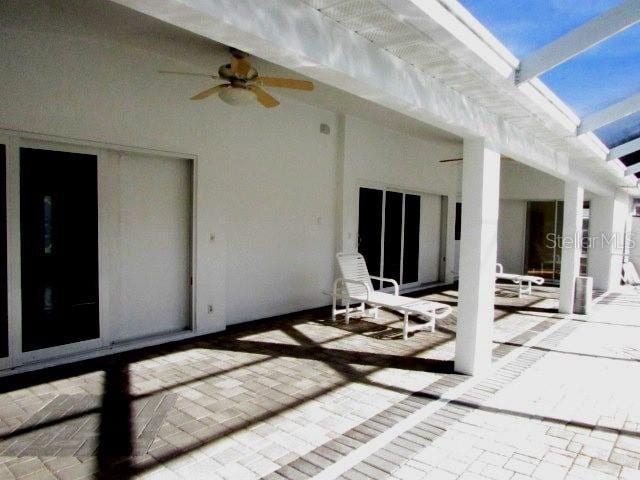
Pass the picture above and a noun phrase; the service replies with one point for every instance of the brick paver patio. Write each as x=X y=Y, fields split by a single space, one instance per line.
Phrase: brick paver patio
x=300 y=397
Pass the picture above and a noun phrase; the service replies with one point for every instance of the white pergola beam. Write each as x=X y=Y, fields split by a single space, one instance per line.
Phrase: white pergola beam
x=633 y=169
x=577 y=41
x=610 y=114
x=624 y=149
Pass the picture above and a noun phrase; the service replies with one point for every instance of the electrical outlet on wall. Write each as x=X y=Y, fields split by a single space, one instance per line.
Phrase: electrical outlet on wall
x=209 y=309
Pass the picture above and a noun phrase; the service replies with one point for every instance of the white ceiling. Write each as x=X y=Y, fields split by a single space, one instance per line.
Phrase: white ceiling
x=102 y=19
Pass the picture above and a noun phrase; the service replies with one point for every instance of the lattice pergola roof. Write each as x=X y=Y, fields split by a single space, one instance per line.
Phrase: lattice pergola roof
x=588 y=53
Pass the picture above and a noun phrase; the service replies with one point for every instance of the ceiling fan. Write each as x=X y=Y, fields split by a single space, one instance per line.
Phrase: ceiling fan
x=244 y=85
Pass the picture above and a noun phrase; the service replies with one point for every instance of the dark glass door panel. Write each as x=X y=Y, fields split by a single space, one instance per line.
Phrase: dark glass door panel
x=584 y=239
x=458 y=225
x=392 y=235
x=4 y=325
x=543 y=223
x=59 y=248
x=370 y=228
x=411 y=252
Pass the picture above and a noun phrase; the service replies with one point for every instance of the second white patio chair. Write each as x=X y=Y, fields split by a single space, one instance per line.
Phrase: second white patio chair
x=354 y=286
x=524 y=282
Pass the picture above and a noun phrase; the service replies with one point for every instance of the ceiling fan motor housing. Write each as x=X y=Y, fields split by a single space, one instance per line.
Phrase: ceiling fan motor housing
x=226 y=72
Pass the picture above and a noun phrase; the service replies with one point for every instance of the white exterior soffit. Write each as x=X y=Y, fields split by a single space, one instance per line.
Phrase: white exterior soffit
x=416 y=57
x=577 y=41
x=610 y=114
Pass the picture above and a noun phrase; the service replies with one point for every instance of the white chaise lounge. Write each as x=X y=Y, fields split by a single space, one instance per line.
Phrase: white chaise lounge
x=524 y=282
x=354 y=286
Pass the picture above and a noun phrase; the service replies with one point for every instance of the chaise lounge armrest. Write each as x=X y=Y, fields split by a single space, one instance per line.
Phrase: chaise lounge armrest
x=396 y=288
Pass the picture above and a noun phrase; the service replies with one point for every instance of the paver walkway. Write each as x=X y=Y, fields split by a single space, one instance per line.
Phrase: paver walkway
x=302 y=397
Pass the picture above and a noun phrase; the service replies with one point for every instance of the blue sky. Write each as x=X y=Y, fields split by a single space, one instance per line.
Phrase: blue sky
x=603 y=75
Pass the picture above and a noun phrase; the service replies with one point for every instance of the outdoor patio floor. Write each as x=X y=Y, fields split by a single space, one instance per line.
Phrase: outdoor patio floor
x=300 y=396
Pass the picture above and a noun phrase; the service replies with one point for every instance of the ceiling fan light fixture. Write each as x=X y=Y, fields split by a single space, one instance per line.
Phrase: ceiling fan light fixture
x=237 y=96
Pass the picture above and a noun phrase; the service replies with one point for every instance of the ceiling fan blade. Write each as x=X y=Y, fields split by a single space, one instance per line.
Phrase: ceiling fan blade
x=263 y=97
x=190 y=74
x=240 y=66
x=285 y=83
x=460 y=160
x=209 y=91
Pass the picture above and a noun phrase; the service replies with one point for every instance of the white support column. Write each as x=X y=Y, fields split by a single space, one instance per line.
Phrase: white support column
x=478 y=252
x=607 y=224
x=571 y=244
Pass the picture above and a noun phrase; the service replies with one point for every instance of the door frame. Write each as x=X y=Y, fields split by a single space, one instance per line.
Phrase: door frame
x=14 y=141
x=9 y=143
x=49 y=353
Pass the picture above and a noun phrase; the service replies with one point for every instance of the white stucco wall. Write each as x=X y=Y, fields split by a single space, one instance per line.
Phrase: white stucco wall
x=266 y=179
x=517 y=181
x=511 y=235
x=268 y=183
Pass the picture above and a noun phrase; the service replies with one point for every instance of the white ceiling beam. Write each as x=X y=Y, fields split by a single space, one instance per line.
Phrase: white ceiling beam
x=624 y=149
x=577 y=41
x=633 y=169
x=610 y=114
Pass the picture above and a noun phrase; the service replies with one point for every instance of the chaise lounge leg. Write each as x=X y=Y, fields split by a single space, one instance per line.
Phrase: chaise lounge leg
x=405 y=329
x=333 y=309
x=346 y=313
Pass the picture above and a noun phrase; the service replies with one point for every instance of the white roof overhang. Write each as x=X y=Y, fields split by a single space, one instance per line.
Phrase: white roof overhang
x=428 y=59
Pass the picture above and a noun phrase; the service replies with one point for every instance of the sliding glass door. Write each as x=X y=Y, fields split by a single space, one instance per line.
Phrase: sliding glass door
x=59 y=248
x=389 y=234
x=544 y=227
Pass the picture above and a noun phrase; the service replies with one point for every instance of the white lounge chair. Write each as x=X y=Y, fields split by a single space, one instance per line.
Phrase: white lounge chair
x=524 y=282
x=354 y=286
